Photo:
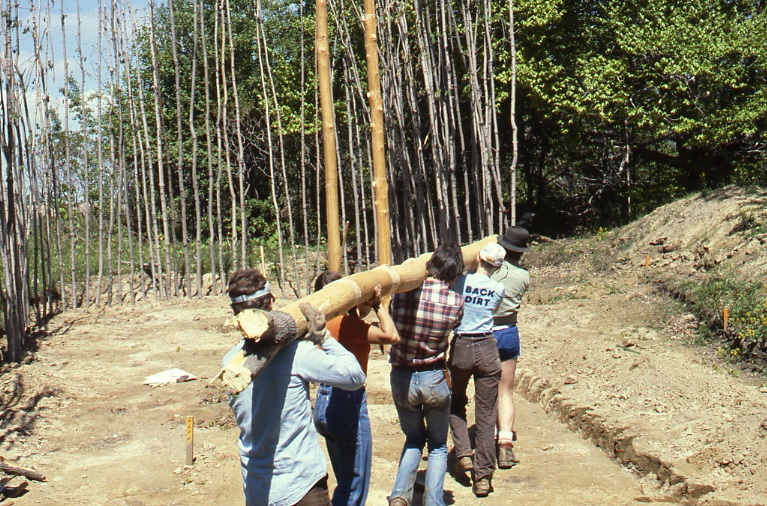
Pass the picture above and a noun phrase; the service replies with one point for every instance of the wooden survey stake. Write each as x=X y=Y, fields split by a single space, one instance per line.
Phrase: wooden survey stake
x=189 y=440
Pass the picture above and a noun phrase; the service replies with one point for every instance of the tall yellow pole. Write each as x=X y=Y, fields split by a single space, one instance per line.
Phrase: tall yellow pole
x=380 y=185
x=328 y=138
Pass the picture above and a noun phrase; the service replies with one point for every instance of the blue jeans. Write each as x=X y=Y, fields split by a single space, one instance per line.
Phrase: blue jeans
x=422 y=400
x=341 y=416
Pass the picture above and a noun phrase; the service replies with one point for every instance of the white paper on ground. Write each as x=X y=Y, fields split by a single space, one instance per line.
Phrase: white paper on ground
x=170 y=376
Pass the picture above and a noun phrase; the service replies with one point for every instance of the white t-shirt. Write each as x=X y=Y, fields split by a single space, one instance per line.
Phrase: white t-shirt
x=481 y=295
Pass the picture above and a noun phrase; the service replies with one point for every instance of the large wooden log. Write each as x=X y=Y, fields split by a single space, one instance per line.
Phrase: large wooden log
x=287 y=324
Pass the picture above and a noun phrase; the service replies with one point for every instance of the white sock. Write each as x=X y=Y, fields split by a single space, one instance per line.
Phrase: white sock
x=507 y=435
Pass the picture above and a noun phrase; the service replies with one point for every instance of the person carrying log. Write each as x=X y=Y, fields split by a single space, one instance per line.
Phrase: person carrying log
x=424 y=318
x=515 y=280
x=474 y=353
x=341 y=415
x=281 y=458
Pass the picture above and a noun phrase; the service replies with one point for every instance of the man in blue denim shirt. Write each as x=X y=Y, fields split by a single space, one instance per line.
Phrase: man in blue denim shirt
x=282 y=461
x=424 y=318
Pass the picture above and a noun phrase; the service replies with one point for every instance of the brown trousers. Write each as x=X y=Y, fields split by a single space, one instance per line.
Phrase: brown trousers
x=478 y=357
x=318 y=495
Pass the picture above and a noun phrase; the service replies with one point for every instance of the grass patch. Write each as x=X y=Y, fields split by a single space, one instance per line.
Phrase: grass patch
x=745 y=337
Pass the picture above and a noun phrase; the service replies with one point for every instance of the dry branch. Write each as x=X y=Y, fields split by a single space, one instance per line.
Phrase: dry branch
x=288 y=323
x=20 y=471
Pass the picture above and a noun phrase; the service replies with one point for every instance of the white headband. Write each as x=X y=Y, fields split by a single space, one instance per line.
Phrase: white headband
x=250 y=296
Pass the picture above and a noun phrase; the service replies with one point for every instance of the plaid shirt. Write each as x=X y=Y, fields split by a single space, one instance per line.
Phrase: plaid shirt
x=424 y=318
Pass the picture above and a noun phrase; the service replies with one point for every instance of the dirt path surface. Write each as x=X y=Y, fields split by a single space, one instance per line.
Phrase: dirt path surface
x=615 y=403
x=82 y=416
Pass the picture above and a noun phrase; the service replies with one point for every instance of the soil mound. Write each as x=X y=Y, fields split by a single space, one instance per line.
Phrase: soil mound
x=694 y=234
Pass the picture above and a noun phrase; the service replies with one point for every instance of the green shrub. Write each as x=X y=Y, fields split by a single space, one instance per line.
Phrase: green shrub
x=746 y=302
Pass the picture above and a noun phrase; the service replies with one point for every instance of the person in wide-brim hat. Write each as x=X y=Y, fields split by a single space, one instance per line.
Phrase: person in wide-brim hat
x=515 y=280
x=515 y=239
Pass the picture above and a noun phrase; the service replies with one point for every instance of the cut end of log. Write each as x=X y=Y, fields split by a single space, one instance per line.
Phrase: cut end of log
x=235 y=375
x=254 y=323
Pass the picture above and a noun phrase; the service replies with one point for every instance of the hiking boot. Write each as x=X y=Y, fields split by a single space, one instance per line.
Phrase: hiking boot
x=398 y=501
x=463 y=465
x=481 y=488
x=506 y=457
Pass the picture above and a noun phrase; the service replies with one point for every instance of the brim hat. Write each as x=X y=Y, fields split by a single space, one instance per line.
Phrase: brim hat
x=515 y=239
x=493 y=254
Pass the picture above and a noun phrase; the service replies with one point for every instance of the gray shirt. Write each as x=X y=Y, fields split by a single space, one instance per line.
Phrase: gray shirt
x=515 y=280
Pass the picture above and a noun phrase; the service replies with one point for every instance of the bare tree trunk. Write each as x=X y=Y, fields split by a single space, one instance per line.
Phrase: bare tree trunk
x=119 y=49
x=159 y=144
x=220 y=132
x=68 y=162
x=381 y=185
x=113 y=162
x=14 y=300
x=267 y=117
x=319 y=171
x=328 y=137
x=180 y=145
x=304 y=204
x=288 y=198
x=150 y=205
x=211 y=229
x=122 y=193
x=138 y=160
x=56 y=198
x=195 y=182
x=100 y=154
x=514 y=131
x=224 y=120
x=353 y=169
x=38 y=185
x=240 y=146
x=85 y=136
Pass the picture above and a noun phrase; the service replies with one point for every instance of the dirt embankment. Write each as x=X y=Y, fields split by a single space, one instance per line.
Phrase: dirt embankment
x=617 y=404
x=617 y=360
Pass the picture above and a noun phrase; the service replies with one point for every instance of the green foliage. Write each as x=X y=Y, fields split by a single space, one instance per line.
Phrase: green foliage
x=746 y=303
x=638 y=100
x=749 y=323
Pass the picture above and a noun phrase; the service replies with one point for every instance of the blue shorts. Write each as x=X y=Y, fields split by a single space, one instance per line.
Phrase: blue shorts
x=508 y=343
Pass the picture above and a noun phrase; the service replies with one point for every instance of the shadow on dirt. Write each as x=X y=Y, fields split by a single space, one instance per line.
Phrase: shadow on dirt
x=21 y=408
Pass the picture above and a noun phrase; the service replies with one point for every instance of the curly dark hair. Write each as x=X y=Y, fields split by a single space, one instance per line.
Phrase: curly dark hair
x=245 y=282
x=325 y=278
x=446 y=263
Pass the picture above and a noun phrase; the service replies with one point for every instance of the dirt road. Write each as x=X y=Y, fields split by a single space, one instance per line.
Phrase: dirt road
x=617 y=402
x=79 y=414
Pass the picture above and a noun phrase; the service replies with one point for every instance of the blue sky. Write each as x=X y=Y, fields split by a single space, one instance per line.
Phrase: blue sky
x=88 y=29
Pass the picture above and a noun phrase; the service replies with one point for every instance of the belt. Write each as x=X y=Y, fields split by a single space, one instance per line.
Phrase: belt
x=474 y=334
x=433 y=366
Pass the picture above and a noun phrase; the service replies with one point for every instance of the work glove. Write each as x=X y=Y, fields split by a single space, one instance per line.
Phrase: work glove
x=316 y=328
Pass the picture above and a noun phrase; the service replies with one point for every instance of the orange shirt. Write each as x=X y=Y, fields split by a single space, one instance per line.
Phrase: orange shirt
x=352 y=333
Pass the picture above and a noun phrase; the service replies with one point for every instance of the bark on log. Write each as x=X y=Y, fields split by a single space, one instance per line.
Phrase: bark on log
x=288 y=323
x=18 y=471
